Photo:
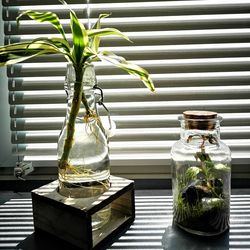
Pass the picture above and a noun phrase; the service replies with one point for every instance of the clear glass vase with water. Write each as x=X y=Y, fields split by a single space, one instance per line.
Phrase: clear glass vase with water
x=88 y=169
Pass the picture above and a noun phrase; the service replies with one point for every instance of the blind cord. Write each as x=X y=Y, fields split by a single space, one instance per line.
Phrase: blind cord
x=88 y=14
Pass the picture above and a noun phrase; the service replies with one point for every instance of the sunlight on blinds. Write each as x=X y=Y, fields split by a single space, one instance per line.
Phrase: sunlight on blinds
x=198 y=54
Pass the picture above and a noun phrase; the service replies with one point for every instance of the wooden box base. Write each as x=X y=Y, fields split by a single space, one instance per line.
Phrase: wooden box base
x=70 y=218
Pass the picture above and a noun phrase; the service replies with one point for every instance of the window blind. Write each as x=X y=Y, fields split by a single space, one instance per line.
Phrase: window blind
x=198 y=54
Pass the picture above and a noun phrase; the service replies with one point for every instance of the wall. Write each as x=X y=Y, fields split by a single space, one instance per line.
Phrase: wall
x=6 y=158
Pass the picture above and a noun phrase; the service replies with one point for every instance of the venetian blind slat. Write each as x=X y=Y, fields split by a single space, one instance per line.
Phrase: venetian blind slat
x=138 y=8
x=137 y=134
x=124 y=81
x=137 y=108
x=133 y=95
x=123 y=122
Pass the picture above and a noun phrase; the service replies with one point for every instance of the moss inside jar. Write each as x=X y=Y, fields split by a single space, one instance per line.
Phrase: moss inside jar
x=201 y=174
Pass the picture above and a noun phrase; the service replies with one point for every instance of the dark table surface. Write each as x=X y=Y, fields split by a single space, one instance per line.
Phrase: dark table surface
x=152 y=228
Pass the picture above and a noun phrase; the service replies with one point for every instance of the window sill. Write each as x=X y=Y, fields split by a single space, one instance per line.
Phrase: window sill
x=151 y=229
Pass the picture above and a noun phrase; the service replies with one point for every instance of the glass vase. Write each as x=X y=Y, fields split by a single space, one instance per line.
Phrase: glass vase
x=83 y=153
x=201 y=175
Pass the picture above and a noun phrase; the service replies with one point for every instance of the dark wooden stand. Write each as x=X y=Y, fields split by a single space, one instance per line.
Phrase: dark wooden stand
x=70 y=218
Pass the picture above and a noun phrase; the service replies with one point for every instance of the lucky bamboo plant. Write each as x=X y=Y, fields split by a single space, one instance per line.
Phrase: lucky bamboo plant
x=84 y=48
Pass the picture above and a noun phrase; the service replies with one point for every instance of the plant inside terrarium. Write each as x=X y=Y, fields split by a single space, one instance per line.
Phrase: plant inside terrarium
x=201 y=202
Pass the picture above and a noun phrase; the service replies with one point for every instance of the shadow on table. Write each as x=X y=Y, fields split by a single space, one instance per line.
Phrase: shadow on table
x=175 y=238
x=41 y=240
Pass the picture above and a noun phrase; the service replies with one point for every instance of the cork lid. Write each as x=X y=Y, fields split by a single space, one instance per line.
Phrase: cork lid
x=199 y=119
x=199 y=114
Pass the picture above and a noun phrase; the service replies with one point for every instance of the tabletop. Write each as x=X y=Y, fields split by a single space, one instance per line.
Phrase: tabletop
x=152 y=228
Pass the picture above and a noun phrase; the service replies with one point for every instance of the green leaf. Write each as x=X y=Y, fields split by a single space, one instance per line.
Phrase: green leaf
x=209 y=165
x=96 y=32
x=222 y=167
x=19 y=52
x=95 y=43
x=106 y=32
x=60 y=45
x=192 y=172
x=130 y=68
x=80 y=38
x=15 y=58
x=79 y=35
x=202 y=156
x=44 y=17
x=97 y=25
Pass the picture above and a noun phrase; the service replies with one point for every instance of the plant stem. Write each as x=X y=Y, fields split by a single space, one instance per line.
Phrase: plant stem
x=78 y=98
x=86 y=105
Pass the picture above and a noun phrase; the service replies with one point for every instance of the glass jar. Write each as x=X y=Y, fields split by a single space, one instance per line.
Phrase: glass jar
x=201 y=175
x=87 y=172
x=83 y=153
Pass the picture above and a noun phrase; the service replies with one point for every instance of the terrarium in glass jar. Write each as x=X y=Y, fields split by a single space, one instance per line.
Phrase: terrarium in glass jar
x=201 y=175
